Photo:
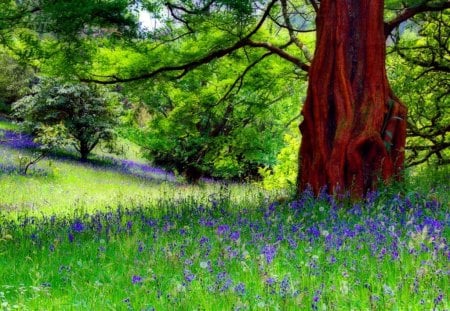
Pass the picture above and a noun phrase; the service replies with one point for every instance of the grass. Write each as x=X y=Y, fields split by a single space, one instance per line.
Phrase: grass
x=97 y=237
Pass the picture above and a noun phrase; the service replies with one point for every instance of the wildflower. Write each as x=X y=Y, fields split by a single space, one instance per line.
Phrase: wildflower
x=316 y=299
x=285 y=287
x=129 y=225
x=223 y=281
x=78 y=226
x=235 y=235
x=269 y=252
x=140 y=247
x=240 y=289
x=70 y=237
x=270 y=281
x=222 y=229
x=188 y=276
x=438 y=299
x=292 y=243
x=136 y=279
x=203 y=240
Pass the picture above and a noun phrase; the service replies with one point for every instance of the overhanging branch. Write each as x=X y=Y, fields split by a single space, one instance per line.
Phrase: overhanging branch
x=185 y=68
x=410 y=12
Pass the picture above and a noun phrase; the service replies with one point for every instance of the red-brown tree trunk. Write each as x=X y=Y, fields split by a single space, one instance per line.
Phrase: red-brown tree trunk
x=354 y=128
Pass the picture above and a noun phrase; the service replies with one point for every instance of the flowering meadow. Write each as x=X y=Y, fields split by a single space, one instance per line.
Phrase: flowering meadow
x=225 y=250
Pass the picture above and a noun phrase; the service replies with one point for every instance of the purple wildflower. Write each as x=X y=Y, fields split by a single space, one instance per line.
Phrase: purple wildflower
x=203 y=240
x=136 y=279
x=222 y=229
x=270 y=281
x=285 y=287
x=78 y=226
x=188 y=276
x=438 y=299
x=240 y=289
x=269 y=252
x=235 y=235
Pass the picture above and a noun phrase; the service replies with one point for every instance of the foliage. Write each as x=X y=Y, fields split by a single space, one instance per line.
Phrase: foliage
x=283 y=175
x=79 y=113
x=14 y=81
x=214 y=247
x=91 y=40
x=419 y=71
x=202 y=126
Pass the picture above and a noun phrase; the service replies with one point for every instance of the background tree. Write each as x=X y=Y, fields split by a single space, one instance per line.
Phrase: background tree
x=78 y=112
x=353 y=132
x=15 y=81
x=420 y=70
x=203 y=126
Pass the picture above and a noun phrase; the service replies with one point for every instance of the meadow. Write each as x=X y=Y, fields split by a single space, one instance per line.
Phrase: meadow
x=116 y=234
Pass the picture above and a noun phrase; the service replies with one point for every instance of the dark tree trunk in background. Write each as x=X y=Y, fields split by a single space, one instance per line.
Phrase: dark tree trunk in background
x=354 y=128
x=84 y=151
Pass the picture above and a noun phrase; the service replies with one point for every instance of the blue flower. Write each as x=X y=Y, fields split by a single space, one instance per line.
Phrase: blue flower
x=269 y=252
x=78 y=226
x=240 y=289
x=136 y=279
x=188 y=276
x=222 y=229
x=235 y=235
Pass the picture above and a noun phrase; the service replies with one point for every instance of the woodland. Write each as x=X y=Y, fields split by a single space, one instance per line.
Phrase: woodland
x=224 y=154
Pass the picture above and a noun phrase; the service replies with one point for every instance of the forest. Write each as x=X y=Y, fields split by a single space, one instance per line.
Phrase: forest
x=224 y=154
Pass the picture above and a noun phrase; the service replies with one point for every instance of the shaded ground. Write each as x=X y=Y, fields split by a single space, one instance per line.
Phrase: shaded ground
x=24 y=142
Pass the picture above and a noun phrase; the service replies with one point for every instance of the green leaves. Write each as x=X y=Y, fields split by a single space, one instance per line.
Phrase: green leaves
x=62 y=114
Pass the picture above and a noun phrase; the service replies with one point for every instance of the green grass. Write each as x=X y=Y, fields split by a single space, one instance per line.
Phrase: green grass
x=67 y=185
x=7 y=125
x=75 y=236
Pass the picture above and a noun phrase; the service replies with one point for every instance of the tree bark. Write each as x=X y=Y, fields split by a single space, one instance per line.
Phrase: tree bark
x=84 y=151
x=354 y=128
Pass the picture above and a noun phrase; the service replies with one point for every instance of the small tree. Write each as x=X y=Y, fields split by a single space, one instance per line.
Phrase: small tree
x=86 y=116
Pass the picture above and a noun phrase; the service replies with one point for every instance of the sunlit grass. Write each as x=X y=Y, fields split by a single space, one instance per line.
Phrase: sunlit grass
x=77 y=236
x=311 y=254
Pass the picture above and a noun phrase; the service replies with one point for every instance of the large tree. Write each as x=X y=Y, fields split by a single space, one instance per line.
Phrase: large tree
x=353 y=128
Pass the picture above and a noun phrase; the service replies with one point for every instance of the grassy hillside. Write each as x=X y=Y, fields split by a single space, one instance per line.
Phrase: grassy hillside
x=121 y=235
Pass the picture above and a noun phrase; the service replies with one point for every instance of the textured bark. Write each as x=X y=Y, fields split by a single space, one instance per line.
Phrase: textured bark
x=354 y=128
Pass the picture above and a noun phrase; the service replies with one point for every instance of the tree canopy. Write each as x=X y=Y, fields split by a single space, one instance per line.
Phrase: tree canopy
x=102 y=42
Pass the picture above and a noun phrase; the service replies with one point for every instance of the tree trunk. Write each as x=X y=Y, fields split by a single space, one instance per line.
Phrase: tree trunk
x=354 y=128
x=84 y=151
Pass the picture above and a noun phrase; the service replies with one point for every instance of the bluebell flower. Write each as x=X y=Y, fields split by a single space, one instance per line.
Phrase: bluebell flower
x=222 y=229
x=235 y=235
x=188 y=276
x=240 y=289
x=269 y=252
x=78 y=226
x=136 y=279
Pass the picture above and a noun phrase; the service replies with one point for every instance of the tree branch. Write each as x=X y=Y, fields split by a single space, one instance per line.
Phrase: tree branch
x=410 y=12
x=185 y=68
x=292 y=35
x=280 y=52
